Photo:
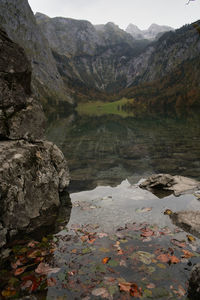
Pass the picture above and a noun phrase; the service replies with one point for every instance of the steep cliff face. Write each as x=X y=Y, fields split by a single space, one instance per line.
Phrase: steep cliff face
x=106 y=58
x=94 y=56
x=33 y=172
x=18 y=20
x=165 y=55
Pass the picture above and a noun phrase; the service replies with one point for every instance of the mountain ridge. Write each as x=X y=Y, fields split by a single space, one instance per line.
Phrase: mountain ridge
x=153 y=32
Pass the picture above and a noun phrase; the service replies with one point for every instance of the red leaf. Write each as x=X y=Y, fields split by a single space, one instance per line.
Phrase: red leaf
x=19 y=271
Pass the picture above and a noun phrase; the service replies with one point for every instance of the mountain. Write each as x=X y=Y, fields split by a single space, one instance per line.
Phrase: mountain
x=106 y=58
x=94 y=57
x=73 y=59
x=153 y=32
x=17 y=18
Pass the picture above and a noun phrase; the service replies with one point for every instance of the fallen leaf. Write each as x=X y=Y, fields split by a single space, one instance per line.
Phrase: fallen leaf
x=163 y=258
x=135 y=291
x=124 y=286
x=180 y=244
x=105 y=260
x=174 y=259
x=191 y=238
x=32 y=244
x=151 y=286
x=187 y=254
x=123 y=263
x=16 y=264
x=168 y=212
x=120 y=252
x=74 y=251
x=34 y=253
x=146 y=232
x=100 y=292
x=8 y=292
x=102 y=235
x=19 y=271
x=144 y=209
x=51 y=282
x=45 y=269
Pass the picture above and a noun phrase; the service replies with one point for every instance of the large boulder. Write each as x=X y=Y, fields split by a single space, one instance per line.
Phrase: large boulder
x=33 y=173
x=177 y=184
x=32 y=176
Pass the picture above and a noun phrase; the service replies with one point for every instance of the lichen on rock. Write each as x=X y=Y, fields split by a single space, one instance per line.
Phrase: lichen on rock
x=33 y=172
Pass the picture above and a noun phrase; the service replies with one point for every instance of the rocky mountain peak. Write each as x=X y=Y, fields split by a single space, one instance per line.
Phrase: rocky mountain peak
x=150 y=33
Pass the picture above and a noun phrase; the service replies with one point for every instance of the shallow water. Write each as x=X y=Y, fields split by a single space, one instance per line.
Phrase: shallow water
x=118 y=244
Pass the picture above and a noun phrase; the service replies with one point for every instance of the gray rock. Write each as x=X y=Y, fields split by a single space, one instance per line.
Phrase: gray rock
x=20 y=115
x=17 y=18
x=32 y=175
x=178 y=184
x=194 y=283
x=188 y=220
x=151 y=33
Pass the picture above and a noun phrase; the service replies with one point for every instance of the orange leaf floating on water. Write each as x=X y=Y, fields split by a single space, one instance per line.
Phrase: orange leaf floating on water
x=187 y=254
x=19 y=271
x=105 y=260
x=146 y=232
x=174 y=259
x=74 y=251
x=180 y=244
x=91 y=241
x=164 y=258
x=124 y=286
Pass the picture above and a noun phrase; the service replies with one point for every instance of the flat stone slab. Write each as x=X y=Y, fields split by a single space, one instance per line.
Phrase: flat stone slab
x=177 y=184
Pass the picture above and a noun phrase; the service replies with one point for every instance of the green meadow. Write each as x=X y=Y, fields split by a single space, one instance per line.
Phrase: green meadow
x=100 y=108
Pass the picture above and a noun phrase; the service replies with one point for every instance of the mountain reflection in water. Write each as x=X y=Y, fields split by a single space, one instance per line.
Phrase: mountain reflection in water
x=104 y=150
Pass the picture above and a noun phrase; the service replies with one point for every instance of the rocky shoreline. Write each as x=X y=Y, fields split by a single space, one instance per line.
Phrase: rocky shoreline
x=33 y=172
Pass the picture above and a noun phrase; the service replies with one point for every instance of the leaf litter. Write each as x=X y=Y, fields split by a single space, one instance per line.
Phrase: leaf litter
x=137 y=261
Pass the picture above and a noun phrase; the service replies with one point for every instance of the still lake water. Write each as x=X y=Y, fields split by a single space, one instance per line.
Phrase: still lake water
x=105 y=150
x=115 y=242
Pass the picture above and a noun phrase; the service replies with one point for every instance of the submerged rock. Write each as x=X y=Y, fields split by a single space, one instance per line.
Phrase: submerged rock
x=188 y=220
x=194 y=283
x=177 y=184
x=33 y=173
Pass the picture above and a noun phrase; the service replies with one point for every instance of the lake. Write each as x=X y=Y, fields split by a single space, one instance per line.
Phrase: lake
x=106 y=149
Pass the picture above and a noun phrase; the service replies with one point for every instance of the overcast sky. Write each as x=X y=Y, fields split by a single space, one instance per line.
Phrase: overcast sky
x=142 y=13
